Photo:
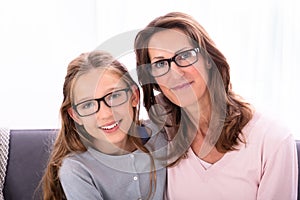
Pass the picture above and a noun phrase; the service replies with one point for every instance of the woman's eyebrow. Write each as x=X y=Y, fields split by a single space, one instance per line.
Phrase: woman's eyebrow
x=183 y=49
x=176 y=52
x=158 y=57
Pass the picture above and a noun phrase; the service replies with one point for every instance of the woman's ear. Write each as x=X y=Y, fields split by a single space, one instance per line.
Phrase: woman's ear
x=135 y=97
x=208 y=64
x=74 y=116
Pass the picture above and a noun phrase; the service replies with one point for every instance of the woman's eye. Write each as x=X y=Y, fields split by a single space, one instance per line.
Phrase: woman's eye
x=160 y=64
x=184 y=55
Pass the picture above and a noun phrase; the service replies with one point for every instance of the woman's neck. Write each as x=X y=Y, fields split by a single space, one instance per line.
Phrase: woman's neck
x=200 y=115
x=200 y=112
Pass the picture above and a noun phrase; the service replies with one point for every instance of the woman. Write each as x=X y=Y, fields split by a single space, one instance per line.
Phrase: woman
x=220 y=146
x=102 y=151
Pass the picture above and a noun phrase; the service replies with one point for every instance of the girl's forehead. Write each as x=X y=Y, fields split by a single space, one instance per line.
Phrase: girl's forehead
x=99 y=75
x=96 y=83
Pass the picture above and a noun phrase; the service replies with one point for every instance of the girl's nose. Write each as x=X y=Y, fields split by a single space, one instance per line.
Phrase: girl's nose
x=104 y=111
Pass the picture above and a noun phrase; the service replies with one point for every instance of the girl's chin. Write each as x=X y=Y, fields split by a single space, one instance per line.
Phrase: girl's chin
x=109 y=143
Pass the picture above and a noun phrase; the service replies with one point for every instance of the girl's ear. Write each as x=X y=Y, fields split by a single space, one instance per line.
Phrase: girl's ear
x=74 y=116
x=135 y=97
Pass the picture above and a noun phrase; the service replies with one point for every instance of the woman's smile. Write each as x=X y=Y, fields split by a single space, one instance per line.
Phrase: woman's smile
x=182 y=86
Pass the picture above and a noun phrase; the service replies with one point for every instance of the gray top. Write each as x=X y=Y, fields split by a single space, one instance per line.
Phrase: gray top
x=94 y=175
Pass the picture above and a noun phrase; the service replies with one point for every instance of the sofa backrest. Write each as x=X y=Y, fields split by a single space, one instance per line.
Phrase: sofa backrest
x=28 y=155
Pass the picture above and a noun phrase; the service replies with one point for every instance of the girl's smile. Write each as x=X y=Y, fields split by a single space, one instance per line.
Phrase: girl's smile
x=111 y=127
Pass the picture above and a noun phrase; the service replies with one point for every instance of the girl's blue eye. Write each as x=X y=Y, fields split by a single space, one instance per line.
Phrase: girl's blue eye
x=88 y=105
x=115 y=95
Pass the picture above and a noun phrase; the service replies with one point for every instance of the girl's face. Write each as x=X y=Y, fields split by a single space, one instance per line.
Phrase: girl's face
x=109 y=125
x=181 y=85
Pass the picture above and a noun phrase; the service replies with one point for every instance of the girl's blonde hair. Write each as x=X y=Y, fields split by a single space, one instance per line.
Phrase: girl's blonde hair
x=68 y=140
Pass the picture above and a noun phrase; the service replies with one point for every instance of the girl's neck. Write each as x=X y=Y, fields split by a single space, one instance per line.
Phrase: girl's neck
x=110 y=149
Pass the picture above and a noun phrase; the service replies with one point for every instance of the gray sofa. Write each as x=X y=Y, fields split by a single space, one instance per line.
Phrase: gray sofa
x=28 y=154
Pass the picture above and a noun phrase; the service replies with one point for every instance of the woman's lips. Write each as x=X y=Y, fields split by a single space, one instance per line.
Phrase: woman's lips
x=182 y=86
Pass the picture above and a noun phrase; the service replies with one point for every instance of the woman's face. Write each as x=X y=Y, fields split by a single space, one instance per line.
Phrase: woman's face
x=181 y=85
x=110 y=124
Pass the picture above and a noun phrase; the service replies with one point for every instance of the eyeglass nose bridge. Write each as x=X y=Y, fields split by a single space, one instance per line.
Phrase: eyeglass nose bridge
x=99 y=103
x=170 y=60
x=173 y=59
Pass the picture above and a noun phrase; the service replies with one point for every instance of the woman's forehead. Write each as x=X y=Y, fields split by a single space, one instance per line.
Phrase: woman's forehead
x=169 y=40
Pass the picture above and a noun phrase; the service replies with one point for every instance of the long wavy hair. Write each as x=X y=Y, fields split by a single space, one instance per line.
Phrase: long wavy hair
x=68 y=140
x=237 y=112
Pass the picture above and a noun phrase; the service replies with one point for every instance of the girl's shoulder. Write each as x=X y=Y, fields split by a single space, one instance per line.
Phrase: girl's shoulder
x=157 y=141
x=151 y=130
x=75 y=162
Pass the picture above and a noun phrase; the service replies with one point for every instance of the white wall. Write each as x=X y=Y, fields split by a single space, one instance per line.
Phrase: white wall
x=39 y=38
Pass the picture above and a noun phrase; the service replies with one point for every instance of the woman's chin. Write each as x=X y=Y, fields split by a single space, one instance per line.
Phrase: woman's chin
x=185 y=102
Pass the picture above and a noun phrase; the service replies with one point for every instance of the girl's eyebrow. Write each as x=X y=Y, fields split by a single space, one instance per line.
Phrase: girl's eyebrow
x=110 y=90
x=82 y=100
x=107 y=91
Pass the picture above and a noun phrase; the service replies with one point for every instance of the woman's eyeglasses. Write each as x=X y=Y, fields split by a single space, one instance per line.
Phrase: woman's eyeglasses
x=182 y=59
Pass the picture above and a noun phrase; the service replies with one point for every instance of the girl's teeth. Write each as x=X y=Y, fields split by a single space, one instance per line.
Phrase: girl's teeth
x=110 y=126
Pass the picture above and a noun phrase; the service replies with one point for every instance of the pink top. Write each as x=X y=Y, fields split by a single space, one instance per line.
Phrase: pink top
x=265 y=168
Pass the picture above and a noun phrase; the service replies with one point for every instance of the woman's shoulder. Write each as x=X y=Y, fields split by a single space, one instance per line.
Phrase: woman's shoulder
x=267 y=128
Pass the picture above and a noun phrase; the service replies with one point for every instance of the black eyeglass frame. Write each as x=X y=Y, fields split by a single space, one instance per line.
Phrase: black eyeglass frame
x=99 y=100
x=173 y=59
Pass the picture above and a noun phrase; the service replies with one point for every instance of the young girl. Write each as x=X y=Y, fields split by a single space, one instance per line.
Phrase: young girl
x=102 y=151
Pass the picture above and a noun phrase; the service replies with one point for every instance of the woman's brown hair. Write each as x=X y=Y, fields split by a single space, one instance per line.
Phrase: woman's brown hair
x=68 y=140
x=237 y=113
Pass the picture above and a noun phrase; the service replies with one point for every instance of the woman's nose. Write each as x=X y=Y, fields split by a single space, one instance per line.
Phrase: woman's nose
x=176 y=70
